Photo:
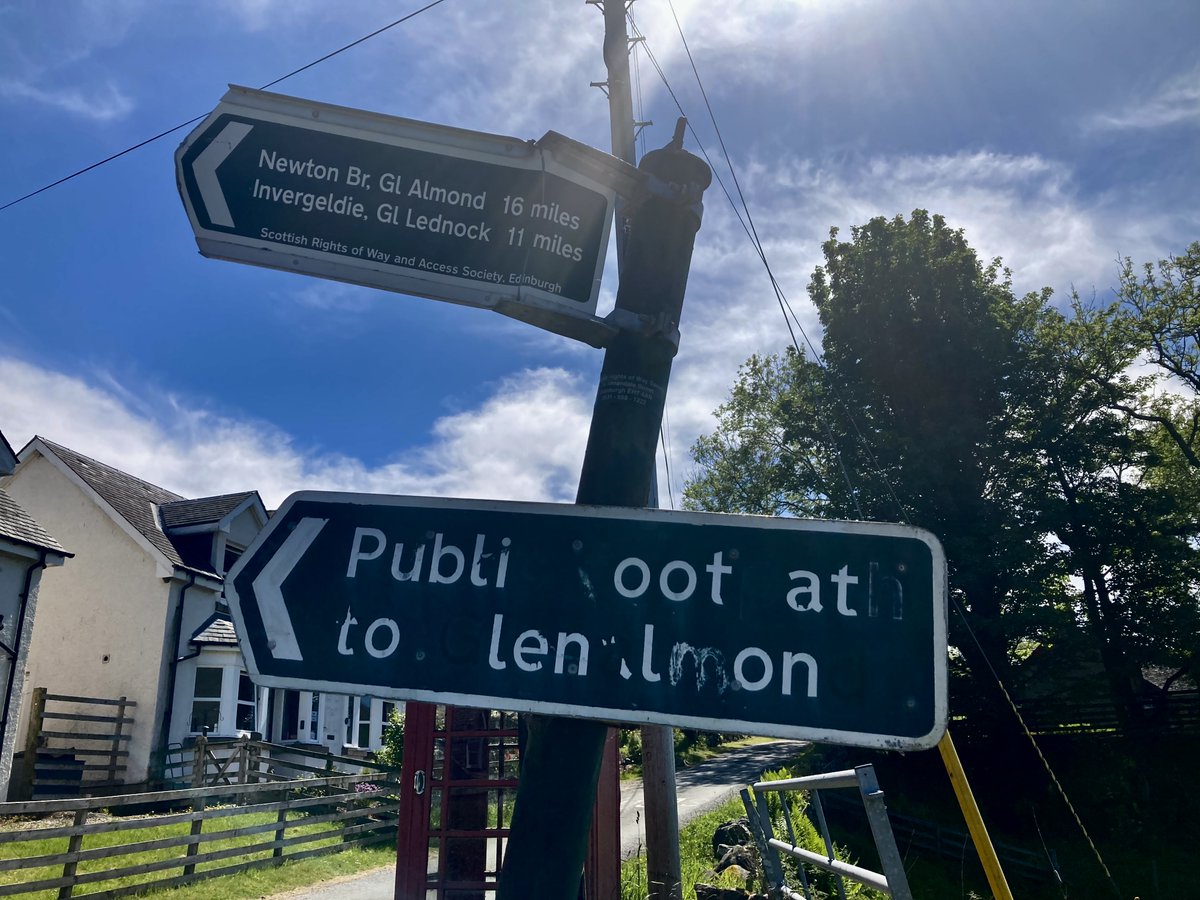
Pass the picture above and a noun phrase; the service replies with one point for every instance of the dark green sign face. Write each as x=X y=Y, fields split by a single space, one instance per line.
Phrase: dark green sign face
x=377 y=204
x=830 y=631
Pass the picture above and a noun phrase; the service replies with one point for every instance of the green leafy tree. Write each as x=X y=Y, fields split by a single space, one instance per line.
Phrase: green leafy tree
x=1121 y=532
x=1020 y=435
x=925 y=353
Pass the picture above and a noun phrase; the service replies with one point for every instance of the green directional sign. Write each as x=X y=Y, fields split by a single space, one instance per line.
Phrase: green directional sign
x=474 y=218
x=830 y=631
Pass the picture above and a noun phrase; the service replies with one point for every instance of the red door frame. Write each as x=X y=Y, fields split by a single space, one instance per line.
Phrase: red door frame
x=426 y=775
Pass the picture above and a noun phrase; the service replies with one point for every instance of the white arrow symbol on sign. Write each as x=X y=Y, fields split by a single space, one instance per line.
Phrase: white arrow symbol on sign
x=205 y=169
x=276 y=621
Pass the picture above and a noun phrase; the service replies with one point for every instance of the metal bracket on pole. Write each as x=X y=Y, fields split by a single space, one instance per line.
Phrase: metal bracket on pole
x=645 y=326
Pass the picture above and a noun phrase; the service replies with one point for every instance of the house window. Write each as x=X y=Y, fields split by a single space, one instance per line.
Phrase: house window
x=206 y=699
x=358 y=722
x=232 y=554
x=246 y=719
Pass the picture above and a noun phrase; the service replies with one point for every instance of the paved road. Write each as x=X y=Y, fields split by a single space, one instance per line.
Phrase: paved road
x=703 y=787
x=699 y=789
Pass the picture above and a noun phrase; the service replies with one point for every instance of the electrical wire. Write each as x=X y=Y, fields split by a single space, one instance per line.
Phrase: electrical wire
x=1036 y=748
x=193 y=120
x=748 y=225
x=664 y=436
x=789 y=314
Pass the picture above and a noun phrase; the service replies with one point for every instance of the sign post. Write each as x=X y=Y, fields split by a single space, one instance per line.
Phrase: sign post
x=485 y=220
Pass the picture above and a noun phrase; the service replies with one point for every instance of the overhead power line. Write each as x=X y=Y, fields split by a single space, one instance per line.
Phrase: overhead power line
x=785 y=307
x=193 y=120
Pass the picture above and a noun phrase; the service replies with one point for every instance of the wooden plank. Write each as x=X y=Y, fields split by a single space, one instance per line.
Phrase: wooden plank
x=84 y=717
x=115 y=748
x=33 y=741
x=90 y=751
x=78 y=736
x=55 y=766
x=44 y=807
x=66 y=698
x=73 y=846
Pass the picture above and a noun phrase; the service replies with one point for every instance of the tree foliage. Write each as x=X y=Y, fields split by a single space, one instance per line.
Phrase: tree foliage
x=1060 y=477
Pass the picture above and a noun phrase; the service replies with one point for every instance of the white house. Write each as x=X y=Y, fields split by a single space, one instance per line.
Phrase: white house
x=139 y=613
x=26 y=550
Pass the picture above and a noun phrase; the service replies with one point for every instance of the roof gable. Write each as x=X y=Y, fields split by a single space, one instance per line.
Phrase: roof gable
x=8 y=459
x=216 y=629
x=203 y=510
x=17 y=525
x=164 y=523
x=131 y=499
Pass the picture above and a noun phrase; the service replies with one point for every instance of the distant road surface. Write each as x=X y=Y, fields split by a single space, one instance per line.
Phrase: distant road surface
x=700 y=789
x=703 y=787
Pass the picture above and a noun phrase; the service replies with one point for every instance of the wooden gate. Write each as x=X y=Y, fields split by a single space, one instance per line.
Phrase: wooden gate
x=457 y=791
x=74 y=745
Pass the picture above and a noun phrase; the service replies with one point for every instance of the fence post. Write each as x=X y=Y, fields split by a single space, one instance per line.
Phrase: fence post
x=201 y=762
x=73 y=846
x=33 y=739
x=881 y=829
x=281 y=821
x=116 y=741
x=198 y=805
x=243 y=759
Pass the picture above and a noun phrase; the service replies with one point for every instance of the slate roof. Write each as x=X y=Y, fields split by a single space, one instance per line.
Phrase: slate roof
x=217 y=629
x=17 y=525
x=202 y=511
x=131 y=497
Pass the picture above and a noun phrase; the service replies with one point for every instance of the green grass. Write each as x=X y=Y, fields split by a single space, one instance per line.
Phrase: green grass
x=255 y=884
x=288 y=877
x=695 y=849
x=695 y=853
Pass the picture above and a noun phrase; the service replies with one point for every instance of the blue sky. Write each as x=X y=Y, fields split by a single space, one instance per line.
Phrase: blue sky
x=1061 y=136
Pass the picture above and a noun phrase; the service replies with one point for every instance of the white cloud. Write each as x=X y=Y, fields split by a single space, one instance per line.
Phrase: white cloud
x=525 y=442
x=1175 y=101
x=1025 y=209
x=105 y=103
x=332 y=296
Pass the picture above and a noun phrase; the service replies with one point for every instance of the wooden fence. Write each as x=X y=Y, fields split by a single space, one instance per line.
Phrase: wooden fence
x=1173 y=711
x=949 y=843
x=227 y=761
x=254 y=825
x=74 y=745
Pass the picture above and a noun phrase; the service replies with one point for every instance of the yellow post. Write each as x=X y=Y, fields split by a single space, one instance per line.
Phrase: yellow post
x=979 y=835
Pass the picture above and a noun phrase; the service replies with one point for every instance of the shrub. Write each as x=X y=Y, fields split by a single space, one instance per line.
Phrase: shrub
x=392 y=751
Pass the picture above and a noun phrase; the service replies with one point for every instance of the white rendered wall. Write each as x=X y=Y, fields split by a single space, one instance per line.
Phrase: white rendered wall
x=102 y=619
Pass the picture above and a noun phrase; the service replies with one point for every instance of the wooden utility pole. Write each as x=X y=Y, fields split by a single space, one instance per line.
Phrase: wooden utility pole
x=562 y=757
x=663 y=865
